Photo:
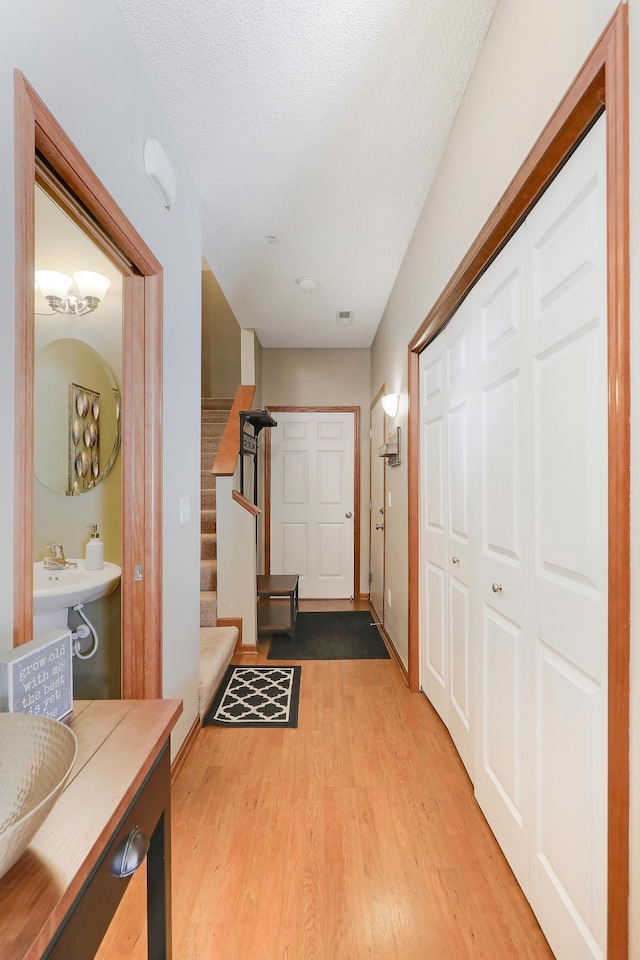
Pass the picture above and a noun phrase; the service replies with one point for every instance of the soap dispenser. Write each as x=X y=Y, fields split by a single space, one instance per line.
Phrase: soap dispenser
x=94 y=551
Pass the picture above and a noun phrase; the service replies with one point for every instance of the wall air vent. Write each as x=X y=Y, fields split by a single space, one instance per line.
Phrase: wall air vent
x=344 y=318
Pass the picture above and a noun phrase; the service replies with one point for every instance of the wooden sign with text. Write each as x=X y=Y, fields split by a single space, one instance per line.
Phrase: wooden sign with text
x=37 y=677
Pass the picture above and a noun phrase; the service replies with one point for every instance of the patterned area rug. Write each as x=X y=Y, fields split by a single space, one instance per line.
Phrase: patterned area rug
x=256 y=697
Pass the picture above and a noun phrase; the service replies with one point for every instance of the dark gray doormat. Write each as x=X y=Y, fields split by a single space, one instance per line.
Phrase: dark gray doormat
x=256 y=697
x=344 y=635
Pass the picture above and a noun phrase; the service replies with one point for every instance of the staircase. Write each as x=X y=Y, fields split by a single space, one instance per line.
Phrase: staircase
x=217 y=644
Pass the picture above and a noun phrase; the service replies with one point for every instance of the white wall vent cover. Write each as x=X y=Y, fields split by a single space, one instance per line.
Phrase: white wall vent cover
x=160 y=172
x=344 y=318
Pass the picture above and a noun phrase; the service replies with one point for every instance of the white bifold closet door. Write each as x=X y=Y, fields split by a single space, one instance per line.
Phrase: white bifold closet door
x=568 y=575
x=447 y=435
x=503 y=660
x=530 y=341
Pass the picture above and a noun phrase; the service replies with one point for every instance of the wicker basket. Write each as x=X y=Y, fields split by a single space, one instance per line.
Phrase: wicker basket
x=36 y=757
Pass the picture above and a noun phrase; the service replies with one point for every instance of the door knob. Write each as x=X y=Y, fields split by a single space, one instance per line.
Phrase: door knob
x=379 y=526
x=348 y=515
x=455 y=559
x=496 y=587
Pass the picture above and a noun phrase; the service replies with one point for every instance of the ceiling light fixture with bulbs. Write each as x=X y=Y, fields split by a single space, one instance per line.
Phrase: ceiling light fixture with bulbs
x=56 y=289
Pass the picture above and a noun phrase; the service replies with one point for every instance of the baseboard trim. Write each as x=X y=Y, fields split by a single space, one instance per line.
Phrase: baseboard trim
x=395 y=656
x=185 y=749
x=364 y=596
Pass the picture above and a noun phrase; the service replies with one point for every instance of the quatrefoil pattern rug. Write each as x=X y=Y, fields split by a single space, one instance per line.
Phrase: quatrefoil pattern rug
x=256 y=697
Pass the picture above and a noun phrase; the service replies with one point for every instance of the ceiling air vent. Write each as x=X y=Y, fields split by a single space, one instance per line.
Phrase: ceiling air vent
x=344 y=318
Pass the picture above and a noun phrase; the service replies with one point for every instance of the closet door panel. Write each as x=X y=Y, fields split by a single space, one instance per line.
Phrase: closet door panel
x=434 y=668
x=568 y=582
x=460 y=691
x=436 y=630
x=503 y=669
x=503 y=761
x=461 y=352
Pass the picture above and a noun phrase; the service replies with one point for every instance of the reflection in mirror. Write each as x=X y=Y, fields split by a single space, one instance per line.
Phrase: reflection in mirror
x=77 y=417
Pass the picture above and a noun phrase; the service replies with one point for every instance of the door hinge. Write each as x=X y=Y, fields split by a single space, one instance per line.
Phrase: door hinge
x=370 y=505
x=370 y=434
x=370 y=576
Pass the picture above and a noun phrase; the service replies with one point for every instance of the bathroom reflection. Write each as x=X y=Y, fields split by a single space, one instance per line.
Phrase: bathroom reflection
x=77 y=463
x=77 y=417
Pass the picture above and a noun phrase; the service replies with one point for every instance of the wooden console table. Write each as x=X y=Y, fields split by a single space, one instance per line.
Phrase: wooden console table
x=274 y=614
x=58 y=900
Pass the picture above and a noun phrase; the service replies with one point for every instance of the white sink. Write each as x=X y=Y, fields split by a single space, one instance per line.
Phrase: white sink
x=56 y=590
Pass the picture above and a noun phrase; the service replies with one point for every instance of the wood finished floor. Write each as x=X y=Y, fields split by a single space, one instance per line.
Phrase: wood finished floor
x=354 y=836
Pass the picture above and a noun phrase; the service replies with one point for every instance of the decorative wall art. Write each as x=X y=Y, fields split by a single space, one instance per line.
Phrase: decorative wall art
x=84 y=438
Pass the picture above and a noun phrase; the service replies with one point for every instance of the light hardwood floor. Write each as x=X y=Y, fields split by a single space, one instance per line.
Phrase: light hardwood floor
x=354 y=836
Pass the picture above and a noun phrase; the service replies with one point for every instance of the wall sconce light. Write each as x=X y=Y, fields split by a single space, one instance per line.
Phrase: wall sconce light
x=390 y=403
x=55 y=288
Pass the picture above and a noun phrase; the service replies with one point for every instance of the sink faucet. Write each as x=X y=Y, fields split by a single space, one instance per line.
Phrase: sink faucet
x=56 y=559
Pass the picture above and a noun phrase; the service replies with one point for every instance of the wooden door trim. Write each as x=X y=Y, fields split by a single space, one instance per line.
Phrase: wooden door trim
x=381 y=392
x=37 y=130
x=603 y=82
x=356 y=485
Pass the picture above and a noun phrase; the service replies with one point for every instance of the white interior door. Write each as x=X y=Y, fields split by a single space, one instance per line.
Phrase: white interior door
x=434 y=667
x=503 y=665
x=568 y=572
x=536 y=559
x=447 y=375
x=376 y=539
x=312 y=501
x=460 y=428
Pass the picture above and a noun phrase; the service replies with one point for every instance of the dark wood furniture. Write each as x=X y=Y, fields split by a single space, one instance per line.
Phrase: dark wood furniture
x=255 y=420
x=57 y=901
x=277 y=603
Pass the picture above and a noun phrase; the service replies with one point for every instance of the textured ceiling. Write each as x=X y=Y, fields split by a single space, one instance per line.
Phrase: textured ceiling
x=320 y=122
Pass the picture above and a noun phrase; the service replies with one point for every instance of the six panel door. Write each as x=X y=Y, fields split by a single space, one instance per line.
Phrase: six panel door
x=503 y=658
x=568 y=569
x=447 y=378
x=312 y=501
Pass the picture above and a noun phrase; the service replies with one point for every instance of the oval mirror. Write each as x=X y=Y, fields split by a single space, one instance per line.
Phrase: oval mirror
x=77 y=412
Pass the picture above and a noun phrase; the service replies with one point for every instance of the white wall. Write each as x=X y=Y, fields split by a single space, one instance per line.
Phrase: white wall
x=531 y=54
x=300 y=377
x=96 y=89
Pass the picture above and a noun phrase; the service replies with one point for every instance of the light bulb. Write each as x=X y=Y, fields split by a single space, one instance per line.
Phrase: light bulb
x=53 y=284
x=91 y=284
